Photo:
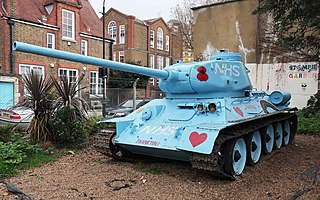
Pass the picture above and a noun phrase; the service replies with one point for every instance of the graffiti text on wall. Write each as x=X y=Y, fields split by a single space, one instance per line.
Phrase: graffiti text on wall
x=306 y=67
x=303 y=71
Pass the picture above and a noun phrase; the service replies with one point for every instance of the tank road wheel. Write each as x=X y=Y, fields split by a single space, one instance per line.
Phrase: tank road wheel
x=278 y=135
x=286 y=132
x=254 y=146
x=267 y=139
x=235 y=155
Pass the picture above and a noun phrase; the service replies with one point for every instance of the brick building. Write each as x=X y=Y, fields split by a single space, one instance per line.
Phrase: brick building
x=68 y=25
x=151 y=42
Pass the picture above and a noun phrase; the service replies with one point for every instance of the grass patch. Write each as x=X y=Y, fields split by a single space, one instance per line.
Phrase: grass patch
x=18 y=154
x=151 y=170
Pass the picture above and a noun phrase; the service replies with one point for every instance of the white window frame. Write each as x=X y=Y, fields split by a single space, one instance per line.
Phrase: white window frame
x=51 y=36
x=114 y=56
x=167 y=61
x=152 y=61
x=31 y=68
x=152 y=81
x=160 y=62
x=122 y=32
x=97 y=84
x=112 y=31
x=160 y=38
x=121 y=54
x=66 y=23
x=84 y=47
x=152 y=39
x=68 y=70
x=167 y=43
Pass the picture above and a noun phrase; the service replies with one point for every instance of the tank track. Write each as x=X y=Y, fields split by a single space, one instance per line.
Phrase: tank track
x=214 y=162
x=101 y=141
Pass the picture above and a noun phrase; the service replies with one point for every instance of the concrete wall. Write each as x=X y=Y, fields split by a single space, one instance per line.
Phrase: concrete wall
x=228 y=26
x=300 y=79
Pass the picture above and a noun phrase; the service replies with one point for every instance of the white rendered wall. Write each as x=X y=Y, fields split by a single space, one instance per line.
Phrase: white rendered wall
x=300 y=79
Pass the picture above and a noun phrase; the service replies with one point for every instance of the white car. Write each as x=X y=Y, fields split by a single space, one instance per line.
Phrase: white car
x=19 y=116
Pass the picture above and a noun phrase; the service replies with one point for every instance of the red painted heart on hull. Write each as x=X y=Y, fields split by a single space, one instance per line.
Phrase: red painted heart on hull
x=197 y=139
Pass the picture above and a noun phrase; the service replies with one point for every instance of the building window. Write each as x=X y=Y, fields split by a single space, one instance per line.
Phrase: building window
x=112 y=30
x=51 y=40
x=167 y=62
x=70 y=74
x=121 y=56
x=152 y=81
x=152 y=39
x=114 y=56
x=167 y=42
x=25 y=69
x=68 y=24
x=122 y=34
x=160 y=38
x=95 y=84
x=84 y=47
x=160 y=62
x=152 y=61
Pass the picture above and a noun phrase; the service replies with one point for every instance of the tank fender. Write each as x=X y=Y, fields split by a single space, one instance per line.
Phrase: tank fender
x=197 y=139
x=121 y=123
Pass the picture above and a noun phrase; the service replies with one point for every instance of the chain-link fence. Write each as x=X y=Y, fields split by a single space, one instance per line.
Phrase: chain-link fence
x=115 y=96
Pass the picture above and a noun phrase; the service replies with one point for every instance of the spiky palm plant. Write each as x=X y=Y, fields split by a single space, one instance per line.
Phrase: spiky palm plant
x=39 y=98
x=68 y=95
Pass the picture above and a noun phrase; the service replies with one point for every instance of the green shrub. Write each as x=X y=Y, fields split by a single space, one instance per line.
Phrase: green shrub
x=90 y=125
x=19 y=154
x=309 y=124
x=6 y=131
x=313 y=106
x=67 y=129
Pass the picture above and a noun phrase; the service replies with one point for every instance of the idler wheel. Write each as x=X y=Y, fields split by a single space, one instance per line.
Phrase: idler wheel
x=267 y=139
x=116 y=151
x=278 y=135
x=254 y=147
x=235 y=157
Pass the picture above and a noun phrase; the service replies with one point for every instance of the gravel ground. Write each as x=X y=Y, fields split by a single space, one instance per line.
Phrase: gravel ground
x=289 y=173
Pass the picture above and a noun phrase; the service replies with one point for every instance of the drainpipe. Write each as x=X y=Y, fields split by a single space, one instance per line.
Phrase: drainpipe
x=11 y=23
x=103 y=57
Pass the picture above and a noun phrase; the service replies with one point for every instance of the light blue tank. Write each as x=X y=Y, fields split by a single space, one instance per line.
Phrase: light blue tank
x=211 y=116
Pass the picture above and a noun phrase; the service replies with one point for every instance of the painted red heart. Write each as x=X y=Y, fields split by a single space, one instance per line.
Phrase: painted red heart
x=238 y=110
x=197 y=139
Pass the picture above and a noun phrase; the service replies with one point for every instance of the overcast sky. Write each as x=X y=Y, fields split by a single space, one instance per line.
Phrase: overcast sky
x=142 y=9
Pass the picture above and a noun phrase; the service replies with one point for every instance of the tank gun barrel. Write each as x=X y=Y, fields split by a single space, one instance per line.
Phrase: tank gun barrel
x=28 y=48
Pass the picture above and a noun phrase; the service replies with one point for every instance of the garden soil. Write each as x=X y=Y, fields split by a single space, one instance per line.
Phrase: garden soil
x=290 y=173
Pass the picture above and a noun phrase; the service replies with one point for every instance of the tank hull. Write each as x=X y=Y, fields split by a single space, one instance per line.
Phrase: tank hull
x=177 y=130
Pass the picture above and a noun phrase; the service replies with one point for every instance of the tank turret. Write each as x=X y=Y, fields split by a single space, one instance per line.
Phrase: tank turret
x=224 y=75
x=210 y=117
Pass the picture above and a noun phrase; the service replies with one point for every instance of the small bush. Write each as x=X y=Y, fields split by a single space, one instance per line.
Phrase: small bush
x=67 y=129
x=310 y=124
x=19 y=154
x=90 y=125
x=6 y=131
x=313 y=106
